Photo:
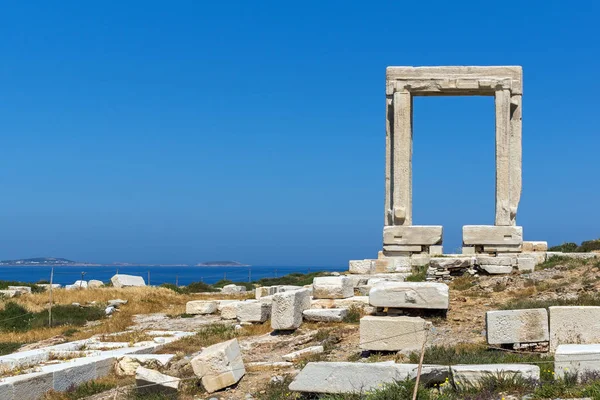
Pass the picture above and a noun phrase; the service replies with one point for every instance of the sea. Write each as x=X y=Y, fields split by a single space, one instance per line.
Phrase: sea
x=155 y=275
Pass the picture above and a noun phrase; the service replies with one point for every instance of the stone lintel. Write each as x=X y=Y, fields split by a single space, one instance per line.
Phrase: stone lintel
x=493 y=236
x=454 y=80
x=415 y=235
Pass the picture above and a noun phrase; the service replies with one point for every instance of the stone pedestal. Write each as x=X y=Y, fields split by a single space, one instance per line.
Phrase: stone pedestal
x=493 y=239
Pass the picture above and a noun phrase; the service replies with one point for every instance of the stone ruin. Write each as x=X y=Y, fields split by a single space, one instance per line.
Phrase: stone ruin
x=498 y=248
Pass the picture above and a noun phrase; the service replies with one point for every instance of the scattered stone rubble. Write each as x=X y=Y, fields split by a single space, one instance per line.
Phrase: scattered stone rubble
x=29 y=374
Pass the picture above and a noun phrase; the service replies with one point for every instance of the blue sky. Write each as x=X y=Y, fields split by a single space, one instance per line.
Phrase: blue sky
x=158 y=132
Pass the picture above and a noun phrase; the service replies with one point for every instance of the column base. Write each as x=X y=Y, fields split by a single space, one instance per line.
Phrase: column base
x=492 y=239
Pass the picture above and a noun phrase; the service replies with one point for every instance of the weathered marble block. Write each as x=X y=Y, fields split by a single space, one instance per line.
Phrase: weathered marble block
x=473 y=374
x=452 y=262
x=200 y=307
x=361 y=266
x=571 y=359
x=229 y=310
x=393 y=333
x=517 y=326
x=264 y=291
x=332 y=287
x=527 y=262
x=229 y=289
x=325 y=315
x=492 y=235
x=431 y=295
x=574 y=325
x=530 y=246
x=288 y=308
x=219 y=365
x=121 y=280
x=496 y=269
x=412 y=235
x=253 y=311
x=354 y=377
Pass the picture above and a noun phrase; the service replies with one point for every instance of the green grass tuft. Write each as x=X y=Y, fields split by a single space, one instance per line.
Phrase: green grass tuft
x=15 y=318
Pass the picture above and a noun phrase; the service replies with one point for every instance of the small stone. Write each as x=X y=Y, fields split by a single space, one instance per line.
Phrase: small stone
x=117 y=302
x=303 y=353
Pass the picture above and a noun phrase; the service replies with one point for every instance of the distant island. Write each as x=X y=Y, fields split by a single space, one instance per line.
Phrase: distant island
x=221 y=264
x=45 y=261
x=57 y=261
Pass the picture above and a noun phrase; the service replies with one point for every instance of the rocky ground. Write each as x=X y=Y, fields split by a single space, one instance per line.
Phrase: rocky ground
x=470 y=297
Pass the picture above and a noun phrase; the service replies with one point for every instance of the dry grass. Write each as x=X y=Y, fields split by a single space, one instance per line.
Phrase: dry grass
x=213 y=334
x=141 y=300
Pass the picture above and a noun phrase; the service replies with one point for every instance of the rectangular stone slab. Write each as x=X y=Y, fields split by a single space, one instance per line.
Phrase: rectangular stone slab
x=430 y=295
x=578 y=359
x=574 y=325
x=286 y=312
x=393 y=333
x=492 y=235
x=419 y=235
x=454 y=80
x=472 y=374
x=517 y=326
x=351 y=377
x=332 y=287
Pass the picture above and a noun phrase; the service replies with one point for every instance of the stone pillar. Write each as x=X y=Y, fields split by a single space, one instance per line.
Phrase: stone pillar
x=503 y=149
x=515 y=156
x=389 y=128
x=401 y=159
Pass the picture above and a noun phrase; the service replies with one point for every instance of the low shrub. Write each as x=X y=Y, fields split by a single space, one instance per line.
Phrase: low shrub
x=568 y=247
x=9 y=347
x=297 y=279
x=194 y=287
x=472 y=354
x=585 y=299
x=354 y=315
x=279 y=389
x=553 y=262
x=15 y=318
x=225 y=282
x=419 y=274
